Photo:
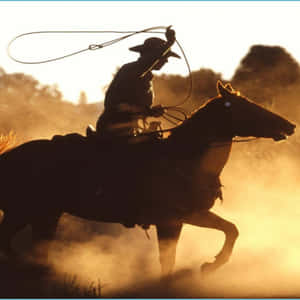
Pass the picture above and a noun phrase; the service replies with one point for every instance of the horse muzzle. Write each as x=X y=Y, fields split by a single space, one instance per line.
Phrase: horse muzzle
x=282 y=135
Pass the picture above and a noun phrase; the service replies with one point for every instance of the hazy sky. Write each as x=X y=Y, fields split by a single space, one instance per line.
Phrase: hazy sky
x=213 y=34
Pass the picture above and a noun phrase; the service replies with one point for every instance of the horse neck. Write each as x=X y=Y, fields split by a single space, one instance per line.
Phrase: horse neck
x=204 y=141
x=199 y=130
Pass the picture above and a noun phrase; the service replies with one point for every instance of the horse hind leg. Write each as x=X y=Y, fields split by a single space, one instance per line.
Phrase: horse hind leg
x=168 y=235
x=210 y=220
x=10 y=225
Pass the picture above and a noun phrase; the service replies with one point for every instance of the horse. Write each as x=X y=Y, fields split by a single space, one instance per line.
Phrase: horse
x=143 y=181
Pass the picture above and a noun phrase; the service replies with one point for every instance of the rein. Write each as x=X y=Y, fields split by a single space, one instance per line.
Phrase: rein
x=234 y=140
x=241 y=140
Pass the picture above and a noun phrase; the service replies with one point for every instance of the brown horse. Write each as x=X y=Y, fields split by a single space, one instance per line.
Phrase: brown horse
x=144 y=181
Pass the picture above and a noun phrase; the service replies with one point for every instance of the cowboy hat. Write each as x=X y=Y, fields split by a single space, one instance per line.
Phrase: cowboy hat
x=152 y=44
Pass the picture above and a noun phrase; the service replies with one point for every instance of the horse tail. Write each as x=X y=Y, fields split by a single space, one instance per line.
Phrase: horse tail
x=7 y=141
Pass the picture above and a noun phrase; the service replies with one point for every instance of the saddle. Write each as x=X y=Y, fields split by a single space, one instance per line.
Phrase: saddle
x=68 y=138
x=136 y=137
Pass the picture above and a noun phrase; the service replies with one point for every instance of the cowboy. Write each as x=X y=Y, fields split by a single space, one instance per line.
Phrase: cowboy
x=130 y=95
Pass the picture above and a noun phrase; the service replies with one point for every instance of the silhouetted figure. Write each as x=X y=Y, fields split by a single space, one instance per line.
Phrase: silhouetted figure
x=130 y=95
x=176 y=180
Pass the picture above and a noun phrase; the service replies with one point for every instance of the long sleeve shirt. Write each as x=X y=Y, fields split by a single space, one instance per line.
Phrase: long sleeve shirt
x=129 y=90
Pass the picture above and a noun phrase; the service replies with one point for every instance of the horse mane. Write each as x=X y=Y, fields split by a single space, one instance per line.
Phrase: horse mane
x=190 y=118
x=191 y=114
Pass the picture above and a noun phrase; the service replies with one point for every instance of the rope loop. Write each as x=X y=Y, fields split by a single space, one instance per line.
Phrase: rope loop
x=167 y=116
x=126 y=35
x=95 y=46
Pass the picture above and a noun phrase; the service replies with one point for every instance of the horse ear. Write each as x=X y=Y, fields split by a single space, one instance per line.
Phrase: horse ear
x=229 y=87
x=222 y=90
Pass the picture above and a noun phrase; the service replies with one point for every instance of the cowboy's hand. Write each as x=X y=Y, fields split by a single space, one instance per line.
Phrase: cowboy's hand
x=157 y=111
x=170 y=35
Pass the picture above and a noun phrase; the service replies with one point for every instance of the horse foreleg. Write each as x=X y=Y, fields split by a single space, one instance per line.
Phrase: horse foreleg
x=210 y=220
x=168 y=235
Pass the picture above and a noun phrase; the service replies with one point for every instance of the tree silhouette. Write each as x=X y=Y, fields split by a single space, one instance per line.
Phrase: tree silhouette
x=35 y=110
x=173 y=89
x=265 y=71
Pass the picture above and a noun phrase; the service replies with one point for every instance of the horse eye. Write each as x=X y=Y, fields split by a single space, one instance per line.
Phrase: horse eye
x=227 y=104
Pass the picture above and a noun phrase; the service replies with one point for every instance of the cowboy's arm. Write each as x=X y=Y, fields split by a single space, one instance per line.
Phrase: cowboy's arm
x=170 y=35
x=158 y=110
x=155 y=111
x=142 y=111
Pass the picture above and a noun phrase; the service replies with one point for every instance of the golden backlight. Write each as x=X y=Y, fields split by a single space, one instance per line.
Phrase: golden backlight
x=261 y=196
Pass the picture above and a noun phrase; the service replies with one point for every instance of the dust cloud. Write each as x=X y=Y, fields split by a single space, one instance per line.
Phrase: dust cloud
x=115 y=261
x=261 y=196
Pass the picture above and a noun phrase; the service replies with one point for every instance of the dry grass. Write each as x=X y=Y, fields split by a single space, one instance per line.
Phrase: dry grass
x=7 y=142
x=20 y=279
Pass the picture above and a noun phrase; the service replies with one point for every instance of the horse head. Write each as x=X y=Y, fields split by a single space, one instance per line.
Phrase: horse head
x=239 y=116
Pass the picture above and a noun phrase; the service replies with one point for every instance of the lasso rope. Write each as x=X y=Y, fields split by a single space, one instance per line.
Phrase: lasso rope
x=90 y=47
x=166 y=116
x=100 y=46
